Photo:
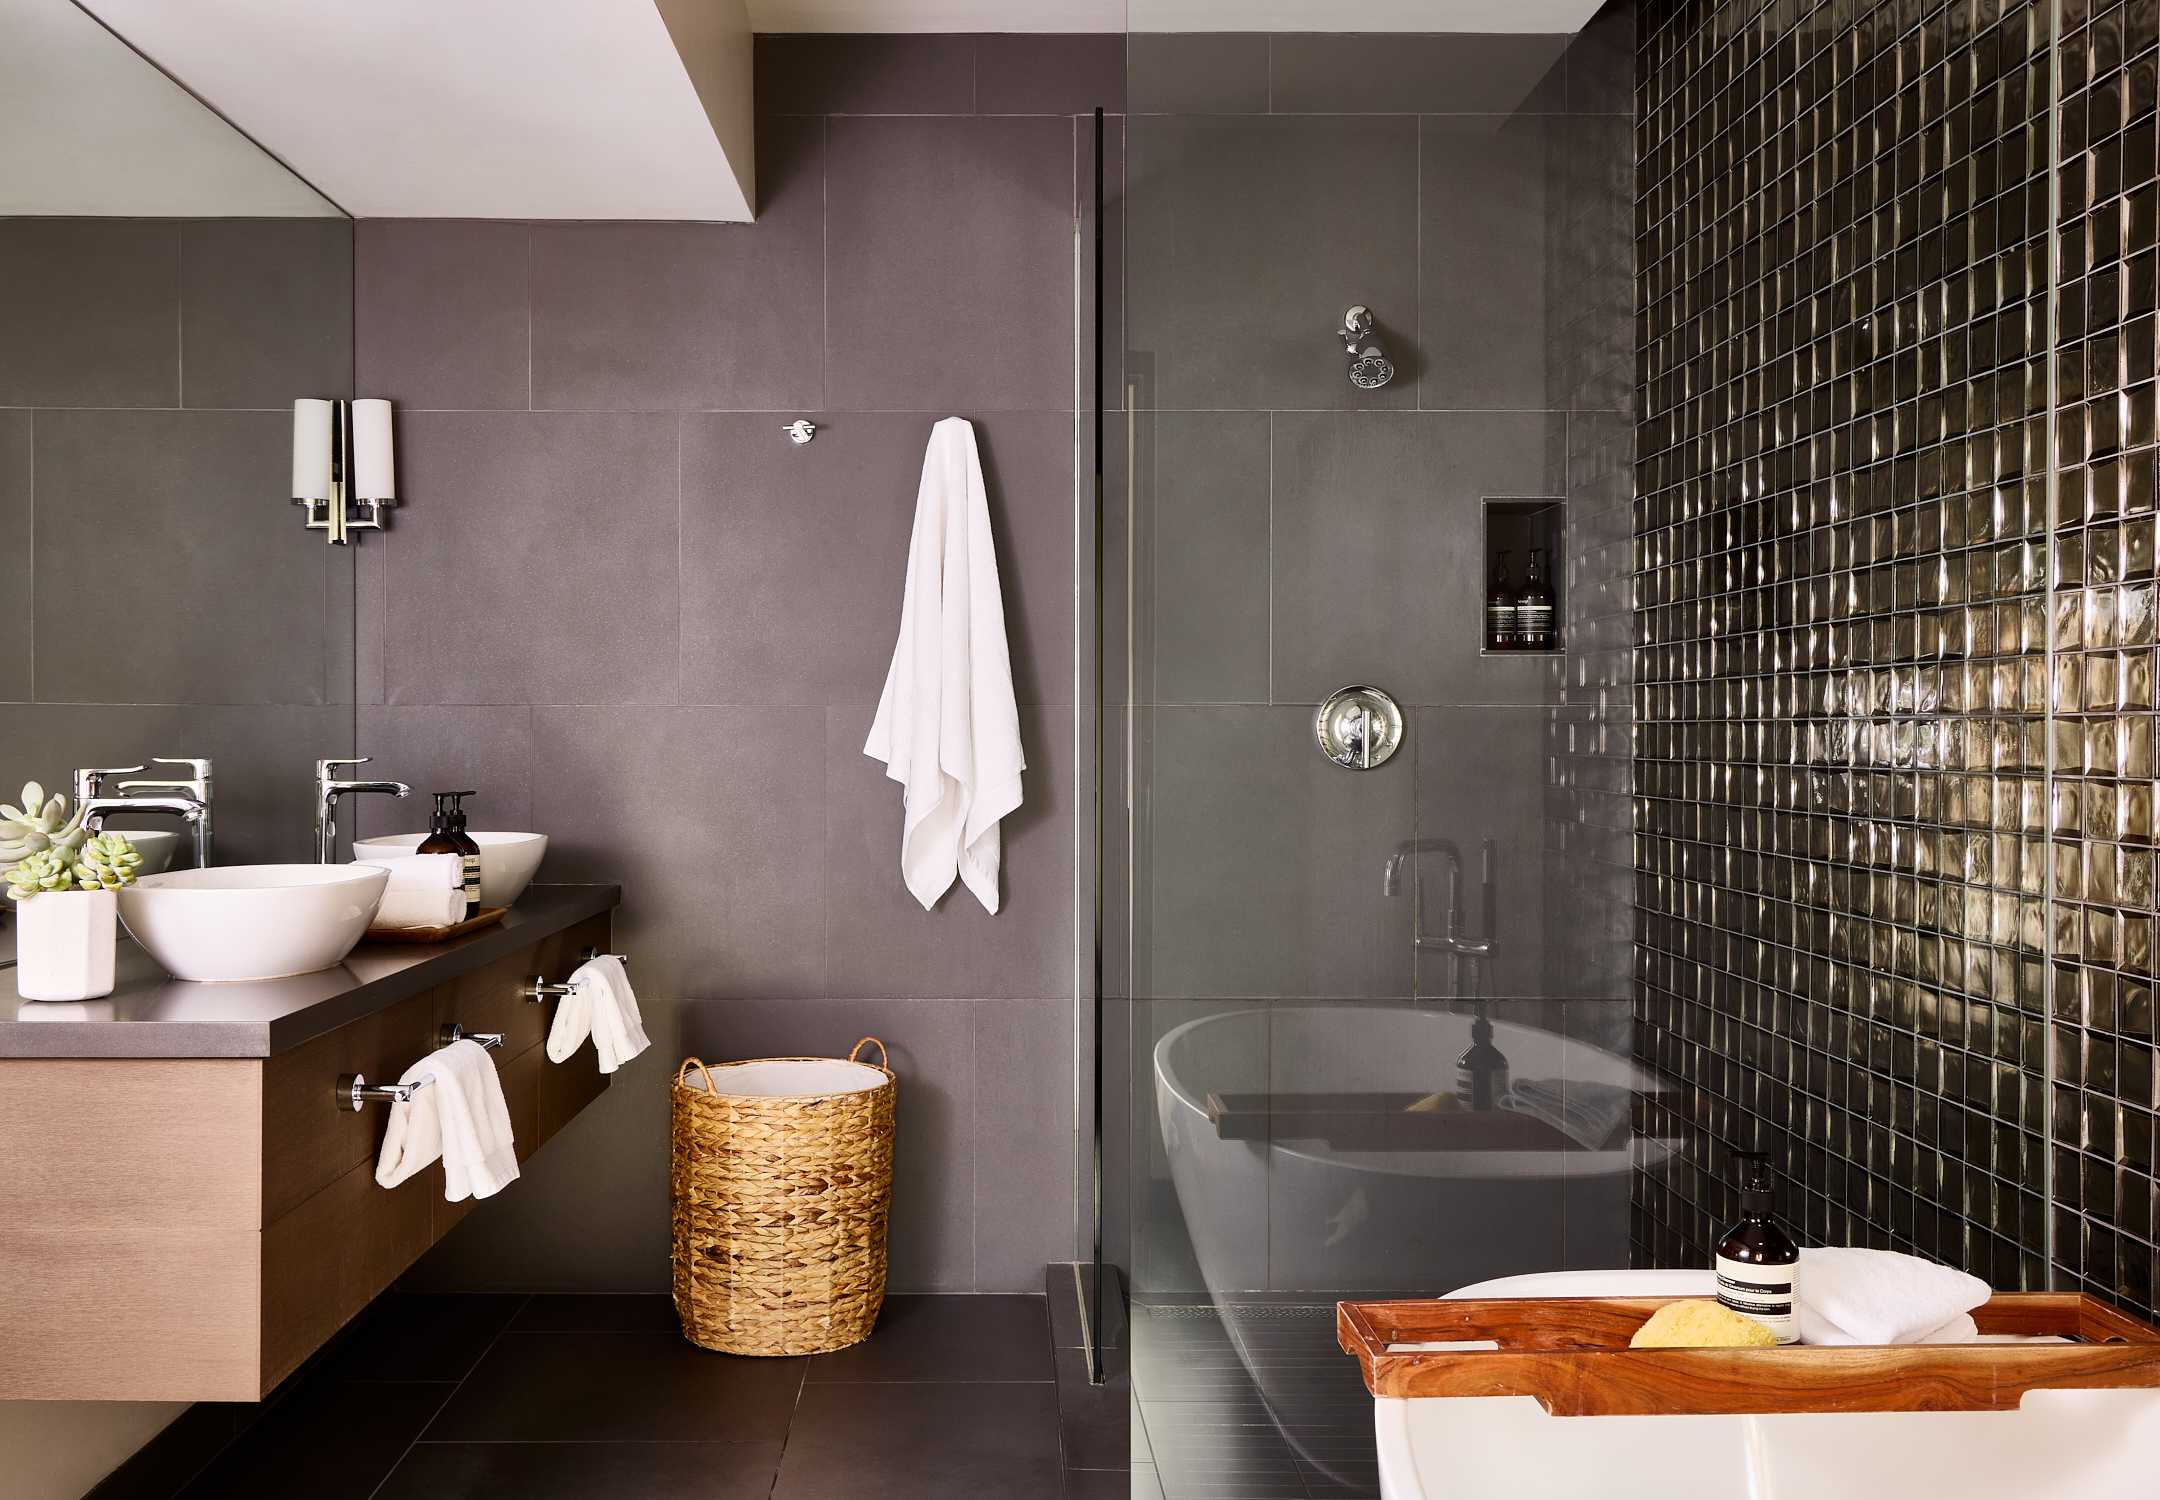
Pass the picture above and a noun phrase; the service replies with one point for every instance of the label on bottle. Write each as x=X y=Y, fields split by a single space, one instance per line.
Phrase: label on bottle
x=1466 y=1085
x=1534 y=621
x=1764 y=1293
x=1500 y=621
x=472 y=885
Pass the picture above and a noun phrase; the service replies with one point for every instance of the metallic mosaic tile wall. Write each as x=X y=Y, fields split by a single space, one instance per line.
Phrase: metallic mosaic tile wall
x=2102 y=604
x=1841 y=663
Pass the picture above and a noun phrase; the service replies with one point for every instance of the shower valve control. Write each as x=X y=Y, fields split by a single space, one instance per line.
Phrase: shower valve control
x=1358 y=727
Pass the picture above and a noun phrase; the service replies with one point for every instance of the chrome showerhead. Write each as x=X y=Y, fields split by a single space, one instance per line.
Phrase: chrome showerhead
x=1370 y=367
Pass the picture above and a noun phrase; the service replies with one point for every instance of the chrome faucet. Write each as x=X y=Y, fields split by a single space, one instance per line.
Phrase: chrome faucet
x=1466 y=955
x=327 y=792
x=189 y=800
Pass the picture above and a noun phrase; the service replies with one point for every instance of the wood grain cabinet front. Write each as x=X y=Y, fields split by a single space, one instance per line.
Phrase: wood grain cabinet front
x=192 y=1229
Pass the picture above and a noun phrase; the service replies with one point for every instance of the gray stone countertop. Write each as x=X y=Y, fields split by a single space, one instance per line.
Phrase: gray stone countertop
x=151 y=1014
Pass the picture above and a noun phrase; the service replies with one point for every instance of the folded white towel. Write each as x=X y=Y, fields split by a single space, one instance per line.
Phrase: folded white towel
x=460 y=1117
x=425 y=890
x=600 y=1004
x=1588 y=1113
x=1848 y=1295
x=948 y=725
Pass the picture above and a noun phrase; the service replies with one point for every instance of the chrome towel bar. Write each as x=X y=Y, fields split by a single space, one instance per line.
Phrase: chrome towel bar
x=354 y=1091
x=536 y=986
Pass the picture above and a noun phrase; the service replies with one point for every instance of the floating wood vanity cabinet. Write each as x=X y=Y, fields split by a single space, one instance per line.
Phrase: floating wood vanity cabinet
x=181 y=1227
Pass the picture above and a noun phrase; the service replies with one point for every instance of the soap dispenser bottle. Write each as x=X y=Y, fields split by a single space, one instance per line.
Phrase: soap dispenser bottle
x=1481 y=1073
x=1500 y=609
x=470 y=849
x=1758 y=1265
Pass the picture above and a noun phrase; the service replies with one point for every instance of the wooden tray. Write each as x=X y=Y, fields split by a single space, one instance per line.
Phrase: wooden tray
x=1571 y=1354
x=488 y=916
x=1382 y=1122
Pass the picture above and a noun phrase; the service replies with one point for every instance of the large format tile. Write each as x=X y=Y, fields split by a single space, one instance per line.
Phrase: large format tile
x=1268 y=860
x=944 y=1338
x=674 y=317
x=1197 y=72
x=1379 y=551
x=929 y=1241
x=1392 y=73
x=446 y=748
x=1025 y=1156
x=1481 y=775
x=408 y=1336
x=534 y=559
x=1206 y=558
x=1251 y=236
x=1037 y=73
x=647 y=1385
x=950 y=264
x=1483 y=333
x=865 y=73
x=442 y=313
x=179 y=504
x=343 y=1438
x=878 y=938
x=264 y=758
x=922 y=1442
x=89 y=312
x=266 y=311
x=708 y=818
x=16 y=578
x=1094 y=1421
x=585 y=1471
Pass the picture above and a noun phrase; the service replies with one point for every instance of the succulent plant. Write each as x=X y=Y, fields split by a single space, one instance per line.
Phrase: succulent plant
x=37 y=873
x=108 y=862
x=39 y=826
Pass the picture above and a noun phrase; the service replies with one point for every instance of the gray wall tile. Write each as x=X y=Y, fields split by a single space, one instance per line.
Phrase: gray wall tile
x=545 y=548
x=930 y=1236
x=1198 y=72
x=675 y=317
x=89 y=312
x=1210 y=555
x=265 y=773
x=1023 y=1130
x=1480 y=776
x=711 y=832
x=866 y=74
x=1243 y=811
x=442 y=316
x=947 y=245
x=1395 y=73
x=1482 y=335
x=266 y=311
x=175 y=502
x=877 y=934
x=16 y=581
x=1379 y=562
x=45 y=742
x=447 y=747
x=1033 y=73
x=1249 y=238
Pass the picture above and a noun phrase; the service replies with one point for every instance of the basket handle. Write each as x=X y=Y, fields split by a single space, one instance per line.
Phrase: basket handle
x=884 y=1061
x=684 y=1071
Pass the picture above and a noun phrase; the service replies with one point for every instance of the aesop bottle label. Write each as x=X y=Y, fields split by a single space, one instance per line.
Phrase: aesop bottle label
x=1764 y=1293
x=472 y=883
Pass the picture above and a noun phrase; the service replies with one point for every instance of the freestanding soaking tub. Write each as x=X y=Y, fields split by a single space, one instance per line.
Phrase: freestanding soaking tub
x=1304 y=1176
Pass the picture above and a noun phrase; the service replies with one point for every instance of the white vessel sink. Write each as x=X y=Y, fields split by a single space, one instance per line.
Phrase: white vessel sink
x=252 y=921
x=508 y=861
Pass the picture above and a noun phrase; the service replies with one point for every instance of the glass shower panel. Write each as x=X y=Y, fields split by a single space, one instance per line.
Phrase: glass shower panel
x=1313 y=947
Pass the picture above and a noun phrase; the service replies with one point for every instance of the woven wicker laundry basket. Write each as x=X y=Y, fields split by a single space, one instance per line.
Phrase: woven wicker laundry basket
x=781 y=1175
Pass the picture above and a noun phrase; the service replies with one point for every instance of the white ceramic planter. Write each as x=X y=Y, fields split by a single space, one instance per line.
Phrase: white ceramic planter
x=64 y=944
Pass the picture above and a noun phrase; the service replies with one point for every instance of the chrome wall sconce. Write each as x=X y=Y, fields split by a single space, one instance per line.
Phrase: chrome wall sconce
x=344 y=467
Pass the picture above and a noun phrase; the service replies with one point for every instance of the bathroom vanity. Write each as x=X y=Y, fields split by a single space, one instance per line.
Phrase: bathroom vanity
x=186 y=1212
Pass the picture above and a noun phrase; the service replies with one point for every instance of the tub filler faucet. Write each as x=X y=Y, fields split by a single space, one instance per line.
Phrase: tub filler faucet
x=1469 y=958
x=327 y=792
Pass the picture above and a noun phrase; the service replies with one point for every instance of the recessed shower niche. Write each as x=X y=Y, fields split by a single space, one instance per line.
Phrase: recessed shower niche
x=1522 y=576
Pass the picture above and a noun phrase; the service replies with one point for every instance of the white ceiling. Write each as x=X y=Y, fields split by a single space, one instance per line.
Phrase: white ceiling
x=507 y=109
x=87 y=127
x=1564 y=16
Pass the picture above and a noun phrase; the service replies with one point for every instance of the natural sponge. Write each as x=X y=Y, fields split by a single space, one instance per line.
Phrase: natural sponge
x=1697 y=1324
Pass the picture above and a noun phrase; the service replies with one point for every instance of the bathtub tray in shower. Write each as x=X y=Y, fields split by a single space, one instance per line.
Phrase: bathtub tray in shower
x=1571 y=1354
x=1385 y=1122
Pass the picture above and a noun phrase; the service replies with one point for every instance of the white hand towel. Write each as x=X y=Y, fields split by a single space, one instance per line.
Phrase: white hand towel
x=425 y=890
x=460 y=1118
x=600 y=1004
x=948 y=726
x=1848 y=1295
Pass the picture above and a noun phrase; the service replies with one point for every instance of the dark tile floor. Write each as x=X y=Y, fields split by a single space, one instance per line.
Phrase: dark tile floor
x=550 y=1398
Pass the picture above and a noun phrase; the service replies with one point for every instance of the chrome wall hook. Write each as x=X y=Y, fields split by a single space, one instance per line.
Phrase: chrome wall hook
x=801 y=431
x=536 y=988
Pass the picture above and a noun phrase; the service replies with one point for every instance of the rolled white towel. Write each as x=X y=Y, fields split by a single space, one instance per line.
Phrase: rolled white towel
x=1849 y=1295
x=425 y=890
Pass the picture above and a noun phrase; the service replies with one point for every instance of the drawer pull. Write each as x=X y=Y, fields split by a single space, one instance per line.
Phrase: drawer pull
x=353 y=1091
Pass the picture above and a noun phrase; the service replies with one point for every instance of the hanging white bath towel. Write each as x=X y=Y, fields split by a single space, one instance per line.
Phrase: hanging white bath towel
x=947 y=727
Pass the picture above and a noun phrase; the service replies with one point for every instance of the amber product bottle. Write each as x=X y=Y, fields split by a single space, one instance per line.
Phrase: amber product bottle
x=1481 y=1073
x=1758 y=1265
x=1533 y=610
x=470 y=849
x=1500 y=609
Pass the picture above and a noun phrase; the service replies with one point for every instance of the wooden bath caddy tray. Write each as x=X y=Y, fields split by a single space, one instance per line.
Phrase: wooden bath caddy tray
x=1571 y=1353
x=488 y=916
